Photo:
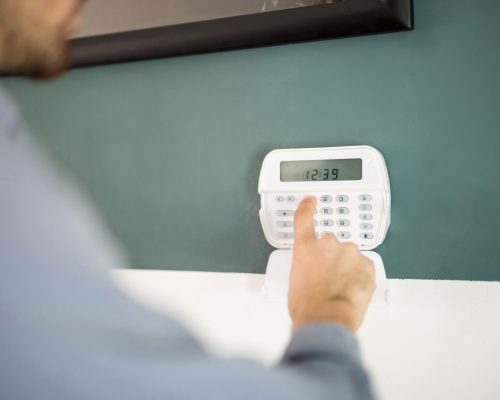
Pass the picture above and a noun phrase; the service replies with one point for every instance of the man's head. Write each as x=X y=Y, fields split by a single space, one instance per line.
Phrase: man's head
x=34 y=34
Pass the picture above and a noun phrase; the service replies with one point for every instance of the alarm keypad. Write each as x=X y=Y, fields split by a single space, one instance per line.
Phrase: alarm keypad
x=351 y=186
x=348 y=215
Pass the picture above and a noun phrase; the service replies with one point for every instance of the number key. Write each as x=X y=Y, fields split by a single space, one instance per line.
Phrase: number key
x=343 y=210
x=326 y=222
x=343 y=235
x=343 y=222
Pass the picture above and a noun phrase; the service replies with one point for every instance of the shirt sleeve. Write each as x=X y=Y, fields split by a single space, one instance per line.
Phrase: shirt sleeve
x=328 y=354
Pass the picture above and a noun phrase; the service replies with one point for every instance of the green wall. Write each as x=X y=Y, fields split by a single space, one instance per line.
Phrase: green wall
x=171 y=149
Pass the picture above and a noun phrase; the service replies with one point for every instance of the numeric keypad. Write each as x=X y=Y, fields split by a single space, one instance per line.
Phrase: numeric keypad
x=350 y=215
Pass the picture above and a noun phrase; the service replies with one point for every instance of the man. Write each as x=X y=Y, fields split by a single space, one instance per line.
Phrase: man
x=67 y=333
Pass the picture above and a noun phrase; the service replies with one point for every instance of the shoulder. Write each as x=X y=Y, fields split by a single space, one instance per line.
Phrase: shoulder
x=47 y=219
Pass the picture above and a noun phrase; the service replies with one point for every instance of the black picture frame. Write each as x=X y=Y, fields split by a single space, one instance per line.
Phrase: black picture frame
x=340 y=19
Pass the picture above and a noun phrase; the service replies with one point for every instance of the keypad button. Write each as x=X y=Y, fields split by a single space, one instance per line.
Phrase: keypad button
x=290 y=198
x=343 y=235
x=364 y=197
x=279 y=198
x=342 y=198
x=285 y=235
x=284 y=213
x=326 y=211
x=325 y=198
x=284 y=224
x=365 y=217
x=366 y=227
x=343 y=210
x=343 y=222
x=365 y=207
x=326 y=222
x=367 y=235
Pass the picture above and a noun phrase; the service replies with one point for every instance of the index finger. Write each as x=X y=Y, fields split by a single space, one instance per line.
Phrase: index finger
x=304 y=219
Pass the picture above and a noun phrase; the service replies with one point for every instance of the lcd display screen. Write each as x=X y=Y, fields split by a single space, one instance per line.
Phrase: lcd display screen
x=321 y=170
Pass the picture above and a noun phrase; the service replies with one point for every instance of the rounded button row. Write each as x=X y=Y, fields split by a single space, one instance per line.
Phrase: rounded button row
x=324 y=211
x=280 y=198
x=341 y=198
x=327 y=223
x=326 y=198
x=340 y=235
x=329 y=210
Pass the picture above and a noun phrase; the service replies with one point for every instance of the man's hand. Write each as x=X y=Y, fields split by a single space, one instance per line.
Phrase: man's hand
x=330 y=281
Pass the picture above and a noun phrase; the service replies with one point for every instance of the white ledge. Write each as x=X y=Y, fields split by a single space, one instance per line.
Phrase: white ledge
x=436 y=339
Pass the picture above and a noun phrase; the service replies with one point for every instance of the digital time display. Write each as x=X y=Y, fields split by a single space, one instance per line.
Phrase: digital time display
x=321 y=170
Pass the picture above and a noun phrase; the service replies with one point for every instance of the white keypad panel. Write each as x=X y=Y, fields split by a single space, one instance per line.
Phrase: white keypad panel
x=351 y=216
